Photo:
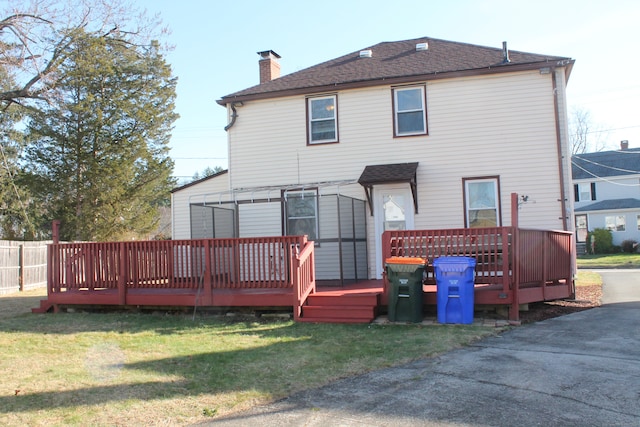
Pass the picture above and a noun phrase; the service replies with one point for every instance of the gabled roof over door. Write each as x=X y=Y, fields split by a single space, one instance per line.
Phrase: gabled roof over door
x=395 y=173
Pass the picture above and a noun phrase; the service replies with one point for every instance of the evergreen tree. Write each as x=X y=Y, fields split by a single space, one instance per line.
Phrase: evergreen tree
x=14 y=219
x=97 y=157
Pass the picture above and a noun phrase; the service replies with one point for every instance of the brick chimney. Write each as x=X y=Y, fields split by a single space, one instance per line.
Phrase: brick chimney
x=269 y=66
x=624 y=145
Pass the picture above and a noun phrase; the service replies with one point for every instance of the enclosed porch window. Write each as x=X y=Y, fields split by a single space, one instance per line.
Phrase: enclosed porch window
x=301 y=209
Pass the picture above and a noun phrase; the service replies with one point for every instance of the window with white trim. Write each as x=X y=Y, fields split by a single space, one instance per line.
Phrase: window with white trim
x=482 y=202
x=638 y=219
x=615 y=222
x=585 y=191
x=301 y=209
x=409 y=110
x=323 y=123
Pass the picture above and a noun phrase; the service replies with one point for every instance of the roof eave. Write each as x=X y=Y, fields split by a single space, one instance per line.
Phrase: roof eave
x=493 y=69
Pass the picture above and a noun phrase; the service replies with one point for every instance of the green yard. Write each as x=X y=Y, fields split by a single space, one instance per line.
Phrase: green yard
x=621 y=260
x=168 y=369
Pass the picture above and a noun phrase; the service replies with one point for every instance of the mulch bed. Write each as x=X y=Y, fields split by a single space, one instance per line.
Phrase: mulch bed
x=586 y=297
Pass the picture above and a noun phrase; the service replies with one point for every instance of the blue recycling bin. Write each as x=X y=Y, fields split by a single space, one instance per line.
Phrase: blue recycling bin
x=454 y=289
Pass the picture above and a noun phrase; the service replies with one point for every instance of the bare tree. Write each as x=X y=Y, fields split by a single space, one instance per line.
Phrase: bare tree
x=34 y=37
x=586 y=135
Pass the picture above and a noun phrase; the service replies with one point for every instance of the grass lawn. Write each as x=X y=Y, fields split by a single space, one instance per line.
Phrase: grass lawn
x=622 y=260
x=168 y=369
x=588 y=278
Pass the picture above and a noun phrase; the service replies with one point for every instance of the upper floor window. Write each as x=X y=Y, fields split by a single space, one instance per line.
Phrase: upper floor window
x=410 y=115
x=482 y=202
x=322 y=113
x=585 y=191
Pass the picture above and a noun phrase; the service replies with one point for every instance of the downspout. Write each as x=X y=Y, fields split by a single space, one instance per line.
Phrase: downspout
x=563 y=199
x=234 y=115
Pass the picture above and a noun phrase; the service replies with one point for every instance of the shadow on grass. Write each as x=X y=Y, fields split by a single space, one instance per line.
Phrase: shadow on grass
x=285 y=358
x=18 y=304
x=160 y=321
x=194 y=375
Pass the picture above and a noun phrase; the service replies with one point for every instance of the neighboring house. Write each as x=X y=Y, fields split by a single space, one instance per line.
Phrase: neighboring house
x=414 y=134
x=607 y=193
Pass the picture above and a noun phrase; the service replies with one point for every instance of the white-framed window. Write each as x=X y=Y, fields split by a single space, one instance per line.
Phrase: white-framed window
x=615 y=222
x=638 y=219
x=585 y=191
x=322 y=113
x=301 y=210
x=409 y=110
x=482 y=202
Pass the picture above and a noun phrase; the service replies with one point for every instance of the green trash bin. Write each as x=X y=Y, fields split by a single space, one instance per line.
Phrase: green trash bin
x=405 y=288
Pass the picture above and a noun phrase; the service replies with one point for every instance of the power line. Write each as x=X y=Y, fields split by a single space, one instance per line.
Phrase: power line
x=604 y=179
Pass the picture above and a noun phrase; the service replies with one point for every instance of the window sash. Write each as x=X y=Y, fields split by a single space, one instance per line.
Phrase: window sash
x=409 y=111
x=301 y=209
x=615 y=222
x=322 y=119
x=482 y=203
x=584 y=191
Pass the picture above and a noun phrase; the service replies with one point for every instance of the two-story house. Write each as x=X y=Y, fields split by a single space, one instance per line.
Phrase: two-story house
x=607 y=193
x=413 y=134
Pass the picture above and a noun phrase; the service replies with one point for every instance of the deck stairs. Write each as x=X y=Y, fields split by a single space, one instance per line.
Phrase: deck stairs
x=44 y=307
x=341 y=307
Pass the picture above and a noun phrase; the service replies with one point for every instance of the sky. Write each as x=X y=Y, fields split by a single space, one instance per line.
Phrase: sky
x=215 y=45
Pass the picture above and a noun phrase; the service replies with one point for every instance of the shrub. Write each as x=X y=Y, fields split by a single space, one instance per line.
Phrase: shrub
x=602 y=241
x=629 y=246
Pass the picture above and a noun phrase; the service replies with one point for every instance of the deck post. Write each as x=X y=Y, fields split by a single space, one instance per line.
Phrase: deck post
x=514 y=312
x=122 y=276
x=208 y=272
x=545 y=264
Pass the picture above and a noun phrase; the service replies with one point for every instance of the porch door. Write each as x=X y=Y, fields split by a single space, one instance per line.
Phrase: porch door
x=393 y=210
x=581 y=228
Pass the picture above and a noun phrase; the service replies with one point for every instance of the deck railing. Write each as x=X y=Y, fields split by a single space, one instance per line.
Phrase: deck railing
x=527 y=265
x=280 y=262
x=304 y=277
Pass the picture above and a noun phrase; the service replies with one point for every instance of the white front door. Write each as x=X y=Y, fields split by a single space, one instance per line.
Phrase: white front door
x=393 y=210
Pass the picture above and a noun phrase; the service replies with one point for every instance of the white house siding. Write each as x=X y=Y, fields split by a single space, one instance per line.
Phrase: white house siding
x=597 y=220
x=611 y=188
x=496 y=125
x=206 y=191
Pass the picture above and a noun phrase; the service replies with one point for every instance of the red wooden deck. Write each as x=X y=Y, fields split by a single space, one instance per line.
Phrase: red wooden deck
x=514 y=267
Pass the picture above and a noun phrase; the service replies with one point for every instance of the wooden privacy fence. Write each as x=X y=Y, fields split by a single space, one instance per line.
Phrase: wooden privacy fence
x=23 y=265
x=173 y=269
x=513 y=266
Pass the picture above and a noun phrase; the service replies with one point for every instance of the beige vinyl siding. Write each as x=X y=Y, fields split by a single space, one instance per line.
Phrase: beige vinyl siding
x=496 y=125
x=260 y=219
x=206 y=191
x=328 y=211
x=327 y=260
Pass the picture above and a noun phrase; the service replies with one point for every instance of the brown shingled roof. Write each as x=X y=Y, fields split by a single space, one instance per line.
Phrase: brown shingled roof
x=397 y=62
x=386 y=174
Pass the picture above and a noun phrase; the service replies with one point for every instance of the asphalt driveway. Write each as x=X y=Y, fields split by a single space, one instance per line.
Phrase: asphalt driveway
x=582 y=369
